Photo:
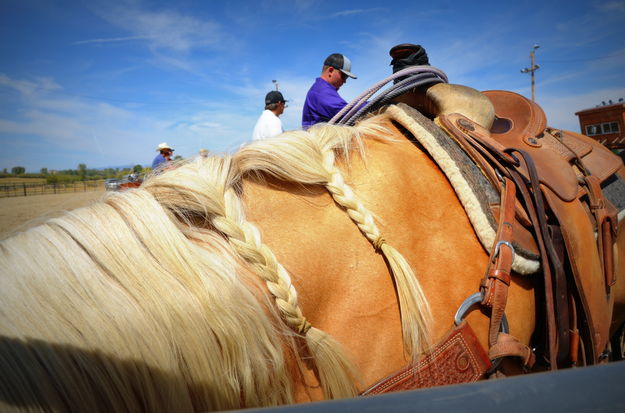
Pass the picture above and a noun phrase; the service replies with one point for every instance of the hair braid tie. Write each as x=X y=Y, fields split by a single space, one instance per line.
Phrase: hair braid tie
x=303 y=326
x=378 y=243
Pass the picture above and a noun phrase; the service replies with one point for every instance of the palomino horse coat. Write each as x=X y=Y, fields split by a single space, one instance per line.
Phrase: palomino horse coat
x=245 y=280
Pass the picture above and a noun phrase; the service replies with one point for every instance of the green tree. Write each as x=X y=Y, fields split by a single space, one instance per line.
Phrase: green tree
x=44 y=171
x=18 y=170
x=82 y=171
x=137 y=169
x=177 y=158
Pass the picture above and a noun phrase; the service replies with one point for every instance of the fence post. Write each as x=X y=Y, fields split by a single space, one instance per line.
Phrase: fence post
x=24 y=189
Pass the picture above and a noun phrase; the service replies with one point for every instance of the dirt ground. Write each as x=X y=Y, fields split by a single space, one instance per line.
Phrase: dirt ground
x=23 y=212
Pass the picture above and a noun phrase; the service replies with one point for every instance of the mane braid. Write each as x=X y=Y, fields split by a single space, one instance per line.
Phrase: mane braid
x=309 y=158
x=155 y=319
x=224 y=213
x=413 y=304
x=335 y=371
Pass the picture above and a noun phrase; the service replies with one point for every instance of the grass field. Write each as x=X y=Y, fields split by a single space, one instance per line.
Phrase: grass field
x=20 y=213
x=4 y=181
x=35 y=186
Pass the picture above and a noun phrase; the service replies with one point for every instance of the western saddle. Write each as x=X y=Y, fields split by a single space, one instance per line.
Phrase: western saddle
x=551 y=204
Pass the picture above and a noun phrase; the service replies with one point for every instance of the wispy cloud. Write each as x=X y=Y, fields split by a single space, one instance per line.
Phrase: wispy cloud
x=561 y=109
x=84 y=129
x=29 y=87
x=167 y=30
x=112 y=40
x=353 y=12
x=613 y=6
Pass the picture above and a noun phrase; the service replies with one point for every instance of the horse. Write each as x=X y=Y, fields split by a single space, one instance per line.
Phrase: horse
x=303 y=267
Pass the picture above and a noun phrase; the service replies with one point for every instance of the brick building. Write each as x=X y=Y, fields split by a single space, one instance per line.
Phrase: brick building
x=605 y=124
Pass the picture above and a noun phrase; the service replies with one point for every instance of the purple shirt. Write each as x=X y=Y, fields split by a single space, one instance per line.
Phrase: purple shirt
x=160 y=159
x=322 y=103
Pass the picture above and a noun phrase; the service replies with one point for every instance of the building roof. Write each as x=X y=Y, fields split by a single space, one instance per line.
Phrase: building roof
x=602 y=108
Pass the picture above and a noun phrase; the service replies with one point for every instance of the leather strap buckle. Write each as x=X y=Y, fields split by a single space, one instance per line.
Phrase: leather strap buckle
x=507 y=244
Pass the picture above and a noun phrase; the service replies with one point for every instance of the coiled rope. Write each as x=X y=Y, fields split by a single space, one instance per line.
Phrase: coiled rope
x=416 y=76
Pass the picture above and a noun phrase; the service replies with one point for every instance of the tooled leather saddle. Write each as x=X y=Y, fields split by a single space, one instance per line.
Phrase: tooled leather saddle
x=565 y=169
x=552 y=206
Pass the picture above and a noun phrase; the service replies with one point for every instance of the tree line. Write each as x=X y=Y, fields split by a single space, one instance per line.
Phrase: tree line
x=82 y=173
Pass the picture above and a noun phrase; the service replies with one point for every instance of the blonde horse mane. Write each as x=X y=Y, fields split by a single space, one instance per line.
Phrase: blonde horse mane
x=155 y=291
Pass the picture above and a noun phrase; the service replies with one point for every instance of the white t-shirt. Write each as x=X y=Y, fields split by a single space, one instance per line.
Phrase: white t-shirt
x=268 y=125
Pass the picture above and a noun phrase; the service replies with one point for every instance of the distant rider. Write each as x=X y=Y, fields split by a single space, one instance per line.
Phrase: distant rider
x=164 y=157
x=269 y=123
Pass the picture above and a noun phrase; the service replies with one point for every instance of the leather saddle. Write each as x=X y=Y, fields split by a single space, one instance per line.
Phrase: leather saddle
x=496 y=128
x=551 y=203
x=569 y=169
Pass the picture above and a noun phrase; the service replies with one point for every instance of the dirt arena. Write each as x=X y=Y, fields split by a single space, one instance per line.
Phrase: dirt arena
x=20 y=213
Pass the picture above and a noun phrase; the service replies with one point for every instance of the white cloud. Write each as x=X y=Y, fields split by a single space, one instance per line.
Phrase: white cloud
x=353 y=12
x=165 y=30
x=611 y=6
x=94 y=131
x=561 y=110
x=112 y=40
x=29 y=87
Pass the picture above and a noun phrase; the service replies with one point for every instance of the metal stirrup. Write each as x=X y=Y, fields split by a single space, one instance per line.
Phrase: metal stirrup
x=470 y=302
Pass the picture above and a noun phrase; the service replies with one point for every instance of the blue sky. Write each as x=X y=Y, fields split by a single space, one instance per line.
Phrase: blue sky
x=103 y=82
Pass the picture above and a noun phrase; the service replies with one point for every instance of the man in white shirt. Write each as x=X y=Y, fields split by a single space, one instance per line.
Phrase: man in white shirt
x=269 y=123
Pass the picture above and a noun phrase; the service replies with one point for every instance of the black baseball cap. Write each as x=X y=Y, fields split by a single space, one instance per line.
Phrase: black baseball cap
x=340 y=62
x=274 y=97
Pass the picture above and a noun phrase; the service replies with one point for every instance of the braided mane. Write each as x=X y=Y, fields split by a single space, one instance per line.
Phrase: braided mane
x=159 y=292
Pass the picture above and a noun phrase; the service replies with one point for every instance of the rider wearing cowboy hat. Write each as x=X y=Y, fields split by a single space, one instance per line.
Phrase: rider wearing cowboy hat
x=164 y=156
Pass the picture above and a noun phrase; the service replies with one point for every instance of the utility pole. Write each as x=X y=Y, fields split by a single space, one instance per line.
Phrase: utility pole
x=275 y=82
x=532 y=69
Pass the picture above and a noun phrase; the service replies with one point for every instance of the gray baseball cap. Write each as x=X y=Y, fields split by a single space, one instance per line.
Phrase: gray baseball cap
x=340 y=62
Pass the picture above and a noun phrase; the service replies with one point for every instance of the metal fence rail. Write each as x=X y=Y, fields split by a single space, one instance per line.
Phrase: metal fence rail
x=29 y=189
x=587 y=389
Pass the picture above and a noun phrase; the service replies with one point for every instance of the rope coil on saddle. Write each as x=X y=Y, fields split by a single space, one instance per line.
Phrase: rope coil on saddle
x=413 y=76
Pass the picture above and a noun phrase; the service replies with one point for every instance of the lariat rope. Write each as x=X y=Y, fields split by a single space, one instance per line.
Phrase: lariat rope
x=415 y=76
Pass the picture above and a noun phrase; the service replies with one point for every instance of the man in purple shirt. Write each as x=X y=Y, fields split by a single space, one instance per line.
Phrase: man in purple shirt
x=322 y=100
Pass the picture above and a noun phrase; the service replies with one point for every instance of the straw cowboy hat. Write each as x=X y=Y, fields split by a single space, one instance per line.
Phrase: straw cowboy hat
x=162 y=146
